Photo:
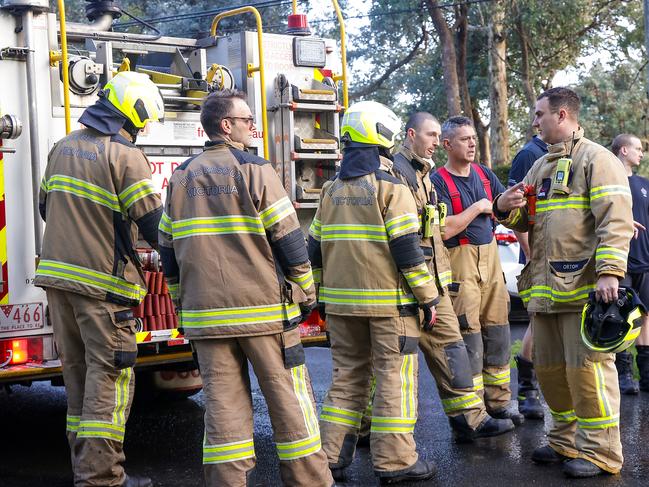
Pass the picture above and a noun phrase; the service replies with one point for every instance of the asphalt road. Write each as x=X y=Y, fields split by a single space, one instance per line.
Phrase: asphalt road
x=163 y=441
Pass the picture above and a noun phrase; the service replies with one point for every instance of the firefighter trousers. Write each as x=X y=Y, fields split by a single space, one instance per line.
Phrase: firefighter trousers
x=481 y=303
x=387 y=347
x=97 y=347
x=228 y=448
x=581 y=389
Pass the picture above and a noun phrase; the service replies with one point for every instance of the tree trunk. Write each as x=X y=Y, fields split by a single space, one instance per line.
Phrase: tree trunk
x=461 y=36
x=528 y=90
x=498 y=124
x=483 y=139
x=449 y=59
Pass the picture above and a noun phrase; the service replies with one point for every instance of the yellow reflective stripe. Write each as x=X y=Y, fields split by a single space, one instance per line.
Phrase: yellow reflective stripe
x=515 y=217
x=407 y=223
x=365 y=297
x=444 y=278
x=352 y=231
x=578 y=202
x=478 y=383
x=317 y=274
x=228 y=452
x=564 y=416
x=305 y=281
x=72 y=422
x=238 y=316
x=496 y=379
x=304 y=399
x=174 y=290
x=100 y=280
x=83 y=189
x=276 y=212
x=220 y=225
x=418 y=277
x=462 y=402
x=315 y=230
x=407 y=375
x=382 y=424
x=100 y=429
x=554 y=295
x=600 y=386
x=136 y=192
x=122 y=395
x=610 y=253
x=299 y=448
x=609 y=190
x=336 y=415
x=44 y=184
x=599 y=423
x=165 y=225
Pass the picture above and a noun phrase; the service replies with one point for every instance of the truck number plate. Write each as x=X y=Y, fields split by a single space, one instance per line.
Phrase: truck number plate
x=17 y=317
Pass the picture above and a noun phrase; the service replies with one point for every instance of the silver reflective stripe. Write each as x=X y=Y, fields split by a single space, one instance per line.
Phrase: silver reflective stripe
x=299 y=448
x=228 y=452
x=100 y=429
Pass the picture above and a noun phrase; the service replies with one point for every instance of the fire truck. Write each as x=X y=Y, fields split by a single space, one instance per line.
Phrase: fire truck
x=51 y=71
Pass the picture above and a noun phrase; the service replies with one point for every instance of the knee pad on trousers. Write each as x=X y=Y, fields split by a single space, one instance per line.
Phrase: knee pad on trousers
x=408 y=345
x=123 y=359
x=474 y=348
x=464 y=322
x=459 y=365
x=496 y=345
x=347 y=451
x=292 y=349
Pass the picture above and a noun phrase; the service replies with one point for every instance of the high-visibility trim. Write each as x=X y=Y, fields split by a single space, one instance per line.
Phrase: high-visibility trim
x=218 y=225
x=345 y=417
x=174 y=290
x=248 y=315
x=299 y=375
x=599 y=423
x=83 y=189
x=444 y=278
x=600 y=386
x=317 y=274
x=122 y=392
x=276 y=212
x=610 y=253
x=419 y=276
x=382 y=424
x=352 y=231
x=466 y=401
x=100 y=429
x=136 y=192
x=44 y=184
x=89 y=277
x=165 y=225
x=609 y=190
x=564 y=416
x=408 y=385
x=407 y=223
x=299 y=448
x=228 y=452
x=554 y=295
x=574 y=202
x=72 y=423
x=305 y=281
x=496 y=379
x=315 y=230
x=478 y=383
x=366 y=297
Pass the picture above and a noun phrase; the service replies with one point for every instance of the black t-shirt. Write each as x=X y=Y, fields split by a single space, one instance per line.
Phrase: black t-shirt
x=525 y=159
x=639 y=251
x=471 y=189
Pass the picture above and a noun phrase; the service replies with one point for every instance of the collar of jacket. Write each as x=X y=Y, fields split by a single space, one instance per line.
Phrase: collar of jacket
x=419 y=164
x=104 y=118
x=359 y=160
x=562 y=149
x=220 y=141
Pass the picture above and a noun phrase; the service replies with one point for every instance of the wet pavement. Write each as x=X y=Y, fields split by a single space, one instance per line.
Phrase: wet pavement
x=163 y=441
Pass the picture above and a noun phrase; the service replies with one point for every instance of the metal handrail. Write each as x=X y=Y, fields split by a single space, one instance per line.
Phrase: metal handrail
x=66 y=77
x=251 y=68
x=343 y=54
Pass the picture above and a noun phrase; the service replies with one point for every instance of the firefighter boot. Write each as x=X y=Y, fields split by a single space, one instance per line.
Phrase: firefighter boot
x=506 y=413
x=132 y=481
x=489 y=427
x=529 y=402
x=624 y=365
x=642 y=360
x=547 y=454
x=580 y=468
x=421 y=470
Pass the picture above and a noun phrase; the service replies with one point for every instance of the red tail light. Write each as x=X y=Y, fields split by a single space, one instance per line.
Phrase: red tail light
x=506 y=238
x=17 y=351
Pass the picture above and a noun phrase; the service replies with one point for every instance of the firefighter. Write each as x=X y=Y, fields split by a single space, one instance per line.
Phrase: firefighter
x=237 y=265
x=580 y=225
x=628 y=150
x=95 y=195
x=364 y=246
x=478 y=290
x=443 y=347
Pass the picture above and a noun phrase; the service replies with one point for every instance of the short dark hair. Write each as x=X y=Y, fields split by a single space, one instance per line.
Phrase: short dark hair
x=417 y=119
x=561 y=97
x=217 y=106
x=449 y=126
x=622 y=140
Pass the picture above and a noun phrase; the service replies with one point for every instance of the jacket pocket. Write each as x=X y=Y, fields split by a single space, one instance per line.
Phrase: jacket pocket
x=124 y=341
x=292 y=349
x=524 y=279
x=571 y=280
x=293 y=293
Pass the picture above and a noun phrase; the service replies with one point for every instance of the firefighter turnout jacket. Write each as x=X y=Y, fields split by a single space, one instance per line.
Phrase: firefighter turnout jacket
x=98 y=189
x=372 y=219
x=582 y=226
x=230 y=235
x=414 y=171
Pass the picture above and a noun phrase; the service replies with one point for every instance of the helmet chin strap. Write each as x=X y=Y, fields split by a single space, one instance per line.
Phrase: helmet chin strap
x=131 y=129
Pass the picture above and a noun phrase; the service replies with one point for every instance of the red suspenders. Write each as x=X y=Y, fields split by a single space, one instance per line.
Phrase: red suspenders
x=456 y=201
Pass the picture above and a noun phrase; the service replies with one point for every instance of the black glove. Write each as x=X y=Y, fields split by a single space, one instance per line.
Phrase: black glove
x=430 y=316
x=306 y=309
x=321 y=311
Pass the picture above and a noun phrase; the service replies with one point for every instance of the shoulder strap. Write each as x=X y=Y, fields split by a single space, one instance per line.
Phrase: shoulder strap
x=456 y=201
x=485 y=180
